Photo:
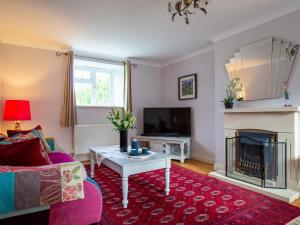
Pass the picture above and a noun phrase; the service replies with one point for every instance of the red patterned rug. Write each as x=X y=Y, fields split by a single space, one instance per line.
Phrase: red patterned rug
x=194 y=199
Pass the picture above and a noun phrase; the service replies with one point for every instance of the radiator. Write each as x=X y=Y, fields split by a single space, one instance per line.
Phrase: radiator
x=86 y=136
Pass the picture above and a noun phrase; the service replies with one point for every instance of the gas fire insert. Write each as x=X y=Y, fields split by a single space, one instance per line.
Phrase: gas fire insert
x=256 y=157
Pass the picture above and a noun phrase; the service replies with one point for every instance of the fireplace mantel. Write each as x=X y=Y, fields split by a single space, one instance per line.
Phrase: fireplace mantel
x=263 y=110
x=285 y=122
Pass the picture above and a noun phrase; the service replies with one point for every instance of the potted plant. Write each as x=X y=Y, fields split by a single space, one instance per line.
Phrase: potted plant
x=233 y=92
x=122 y=121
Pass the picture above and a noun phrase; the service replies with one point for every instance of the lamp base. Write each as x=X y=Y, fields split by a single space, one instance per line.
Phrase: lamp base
x=17 y=125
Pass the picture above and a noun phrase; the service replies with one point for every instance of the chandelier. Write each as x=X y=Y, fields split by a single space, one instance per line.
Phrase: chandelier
x=185 y=8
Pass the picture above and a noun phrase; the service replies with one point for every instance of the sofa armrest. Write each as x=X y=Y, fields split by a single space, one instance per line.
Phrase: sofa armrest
x=28 y=187
x=60 y=157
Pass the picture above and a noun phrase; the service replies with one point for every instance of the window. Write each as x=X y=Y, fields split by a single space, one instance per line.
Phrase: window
x=98 y=83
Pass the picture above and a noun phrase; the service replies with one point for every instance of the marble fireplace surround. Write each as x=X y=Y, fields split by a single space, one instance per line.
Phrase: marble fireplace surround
x=285 y=121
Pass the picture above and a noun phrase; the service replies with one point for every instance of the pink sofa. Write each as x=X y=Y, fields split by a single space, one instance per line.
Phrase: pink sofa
x=80 y=212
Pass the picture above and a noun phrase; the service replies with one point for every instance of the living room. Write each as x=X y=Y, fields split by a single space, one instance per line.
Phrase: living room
x=157 y=50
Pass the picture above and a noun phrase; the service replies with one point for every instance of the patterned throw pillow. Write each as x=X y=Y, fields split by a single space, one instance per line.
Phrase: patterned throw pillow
x=29 y=134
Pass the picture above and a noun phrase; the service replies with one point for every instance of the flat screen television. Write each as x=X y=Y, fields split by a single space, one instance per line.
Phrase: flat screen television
x=170 y=122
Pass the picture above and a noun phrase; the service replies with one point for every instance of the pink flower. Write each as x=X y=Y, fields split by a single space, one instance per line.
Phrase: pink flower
x=70 y=193
x=67 y=175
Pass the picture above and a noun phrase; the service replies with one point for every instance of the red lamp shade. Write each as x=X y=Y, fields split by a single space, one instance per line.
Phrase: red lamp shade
x=17 y=110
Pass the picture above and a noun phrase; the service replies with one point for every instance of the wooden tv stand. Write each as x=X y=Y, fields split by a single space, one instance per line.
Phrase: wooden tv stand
x=167 y=144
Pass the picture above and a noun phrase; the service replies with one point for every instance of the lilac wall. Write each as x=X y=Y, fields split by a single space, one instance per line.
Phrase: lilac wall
x=286 y=27
x=38 y=75
x=146 y=90
x=202 y=107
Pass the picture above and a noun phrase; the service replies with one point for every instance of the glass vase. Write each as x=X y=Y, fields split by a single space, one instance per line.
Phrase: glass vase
x=123 y=140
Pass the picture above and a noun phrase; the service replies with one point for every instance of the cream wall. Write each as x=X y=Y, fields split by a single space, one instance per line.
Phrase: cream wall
x=38 y=75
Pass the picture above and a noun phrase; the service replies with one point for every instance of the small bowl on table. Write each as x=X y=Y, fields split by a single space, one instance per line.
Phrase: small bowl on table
x=145 y=151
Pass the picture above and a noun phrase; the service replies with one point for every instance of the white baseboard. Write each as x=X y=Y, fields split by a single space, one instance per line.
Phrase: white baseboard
x=82 y=157
x=219 y=166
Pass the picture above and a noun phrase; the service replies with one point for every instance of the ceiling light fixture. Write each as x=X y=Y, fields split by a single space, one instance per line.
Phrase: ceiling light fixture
x=185 y=8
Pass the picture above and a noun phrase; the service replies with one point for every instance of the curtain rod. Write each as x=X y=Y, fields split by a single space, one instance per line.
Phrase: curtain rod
x=87 y=57
x=100 y=59
x=94 y=58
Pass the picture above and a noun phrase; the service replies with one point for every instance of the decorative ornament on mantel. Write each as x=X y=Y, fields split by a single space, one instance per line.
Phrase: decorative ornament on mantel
x=186 y=8
x=286 y=94
x=233 y=92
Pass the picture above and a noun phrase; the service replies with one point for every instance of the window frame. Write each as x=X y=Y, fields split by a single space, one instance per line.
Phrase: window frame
x=93 y=73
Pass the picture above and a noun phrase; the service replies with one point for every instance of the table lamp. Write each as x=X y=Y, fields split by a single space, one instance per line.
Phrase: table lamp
x=17 y=110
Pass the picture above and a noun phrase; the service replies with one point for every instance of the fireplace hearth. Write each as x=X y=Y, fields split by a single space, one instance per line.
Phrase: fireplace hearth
x=255 y=157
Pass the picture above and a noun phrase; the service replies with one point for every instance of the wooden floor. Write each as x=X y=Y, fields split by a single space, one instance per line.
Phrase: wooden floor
x=196 y=166
x=205 y=168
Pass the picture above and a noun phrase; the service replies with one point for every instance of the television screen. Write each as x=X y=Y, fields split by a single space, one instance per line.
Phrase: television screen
x=171 y=122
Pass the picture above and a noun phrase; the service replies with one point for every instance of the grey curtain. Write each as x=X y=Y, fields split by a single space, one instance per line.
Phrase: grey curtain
x=69 y=117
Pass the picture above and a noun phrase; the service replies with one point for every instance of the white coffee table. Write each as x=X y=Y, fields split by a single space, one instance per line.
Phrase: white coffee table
x=126 y=167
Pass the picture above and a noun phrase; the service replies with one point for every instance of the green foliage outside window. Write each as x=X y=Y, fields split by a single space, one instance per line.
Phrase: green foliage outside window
x=103 y=89
x=83 y=94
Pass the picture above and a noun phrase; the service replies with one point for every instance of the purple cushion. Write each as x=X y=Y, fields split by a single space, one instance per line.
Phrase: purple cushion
x=80 y=212
x=60 y=157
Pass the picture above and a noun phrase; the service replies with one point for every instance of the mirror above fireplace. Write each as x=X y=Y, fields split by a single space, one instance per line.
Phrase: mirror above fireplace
x=263 y=68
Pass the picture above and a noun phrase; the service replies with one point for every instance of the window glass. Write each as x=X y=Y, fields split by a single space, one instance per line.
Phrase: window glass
x=98 y=83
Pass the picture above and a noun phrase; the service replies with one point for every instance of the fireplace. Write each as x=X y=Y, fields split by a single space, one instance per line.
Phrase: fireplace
x=255 y=156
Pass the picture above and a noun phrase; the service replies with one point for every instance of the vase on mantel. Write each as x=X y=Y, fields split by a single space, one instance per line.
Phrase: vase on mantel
x=286 y=94
x=123 y=140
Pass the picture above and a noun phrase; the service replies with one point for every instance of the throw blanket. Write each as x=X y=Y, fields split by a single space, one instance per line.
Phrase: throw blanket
x=114 y=152
x=28 y=187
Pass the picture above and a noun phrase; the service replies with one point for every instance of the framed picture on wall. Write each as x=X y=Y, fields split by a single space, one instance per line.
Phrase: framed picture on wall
x=187 y=87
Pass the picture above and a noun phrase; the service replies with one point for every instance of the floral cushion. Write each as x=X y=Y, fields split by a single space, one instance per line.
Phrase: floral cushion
x=27 y=187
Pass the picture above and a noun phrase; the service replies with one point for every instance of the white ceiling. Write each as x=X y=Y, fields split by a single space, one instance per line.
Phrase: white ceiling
x=139 y=29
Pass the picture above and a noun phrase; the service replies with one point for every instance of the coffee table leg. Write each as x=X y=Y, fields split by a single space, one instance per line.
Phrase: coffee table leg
x=125 y=191
x=167 y=180
x=92 y=165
